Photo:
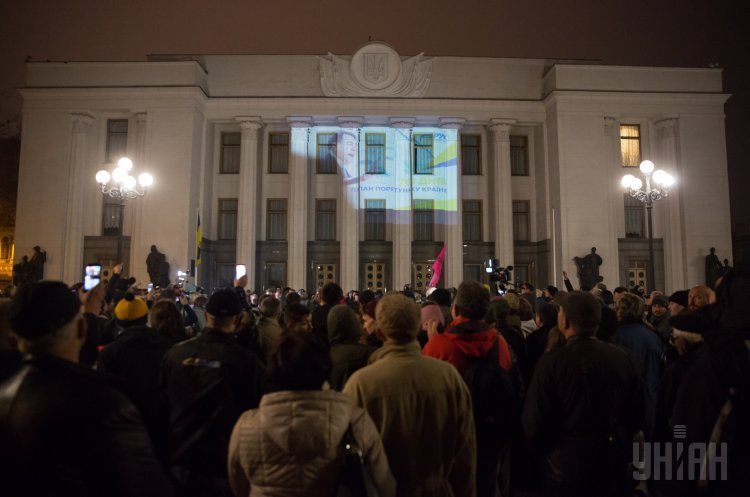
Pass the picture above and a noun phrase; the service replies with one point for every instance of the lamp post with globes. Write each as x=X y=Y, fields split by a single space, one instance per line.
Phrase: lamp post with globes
x=122 y=186
x=658 y=184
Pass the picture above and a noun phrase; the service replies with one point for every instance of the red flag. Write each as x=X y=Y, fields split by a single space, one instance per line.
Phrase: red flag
x=437 y=269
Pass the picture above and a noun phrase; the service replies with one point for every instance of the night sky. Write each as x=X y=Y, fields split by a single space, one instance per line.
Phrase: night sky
x=686 y=33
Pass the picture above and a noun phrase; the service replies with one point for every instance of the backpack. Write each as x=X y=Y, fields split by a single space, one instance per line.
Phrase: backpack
x=492 y=396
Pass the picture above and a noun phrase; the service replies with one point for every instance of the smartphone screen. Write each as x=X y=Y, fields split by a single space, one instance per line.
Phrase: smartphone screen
x=239 y=271
x=150 y=287
x=92 y=276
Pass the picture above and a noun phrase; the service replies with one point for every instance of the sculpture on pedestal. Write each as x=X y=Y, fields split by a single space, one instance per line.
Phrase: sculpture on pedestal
x=588 y=270
x=157 y=267
x=714 y=268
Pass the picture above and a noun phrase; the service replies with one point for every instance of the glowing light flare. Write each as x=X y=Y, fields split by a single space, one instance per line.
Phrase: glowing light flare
x=102 y=177
x=125 y=164
x=647 y=167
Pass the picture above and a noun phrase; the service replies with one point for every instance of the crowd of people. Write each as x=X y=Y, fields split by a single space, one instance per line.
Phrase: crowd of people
x=465 y=392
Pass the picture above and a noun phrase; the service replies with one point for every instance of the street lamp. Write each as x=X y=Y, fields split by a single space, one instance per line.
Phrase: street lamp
x=121 y=185
x=658 y=184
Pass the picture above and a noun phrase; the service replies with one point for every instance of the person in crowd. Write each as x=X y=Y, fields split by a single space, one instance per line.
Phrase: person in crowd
x=646 y=349
x=347 y=353
x=288 y=445
x=134 y=359
x=549 y=292
x=526 y=315
x=698 y=296
x=429 y=312
x=269 y=328
x=297 y=318
x=659 y=318
x=528 y=293
x=209 y=381
x=608 y=325
x=617 y=294
x=443 y=298
x=678 y=302
x=508 y=323
x=199 y=308
x=96 y=324
x=373 y=337
x=331 y=295
x=421 y=407
x=252 y=298
x=165 y=317
x=10 y=356
x=239 y=288
x=469 y=338
x=63 y=430
x=584 y=405
x=546 y=319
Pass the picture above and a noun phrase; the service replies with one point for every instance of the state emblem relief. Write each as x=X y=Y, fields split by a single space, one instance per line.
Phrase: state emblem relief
x=375 y=67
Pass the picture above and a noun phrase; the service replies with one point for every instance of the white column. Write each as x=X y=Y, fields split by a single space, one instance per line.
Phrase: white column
x=615 y=200
x=349 y=208
x=675 y=263
x=502 y=192
x=297 y=208
x=134 y=209
x=247 y=202
x=401 y=210
x=453 y=269
x=77 y=181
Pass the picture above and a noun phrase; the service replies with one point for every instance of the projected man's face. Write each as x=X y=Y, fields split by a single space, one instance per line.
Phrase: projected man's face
x=347 y=154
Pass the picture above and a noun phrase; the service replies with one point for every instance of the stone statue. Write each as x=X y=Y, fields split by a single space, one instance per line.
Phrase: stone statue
x=588 y=270
x=38 y=258
x=157 y=267
x=714 y=268
x=21 y=271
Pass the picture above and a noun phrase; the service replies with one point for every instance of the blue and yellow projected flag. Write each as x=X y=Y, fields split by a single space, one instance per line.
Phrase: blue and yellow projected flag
x=198 y=239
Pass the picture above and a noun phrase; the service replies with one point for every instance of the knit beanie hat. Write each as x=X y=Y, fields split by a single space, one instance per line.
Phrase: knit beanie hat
x=130 y=309
x=42 y=308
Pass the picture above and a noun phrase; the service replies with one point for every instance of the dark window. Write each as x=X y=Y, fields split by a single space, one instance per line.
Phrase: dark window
x=276 y=219
x=423 y=154
x=375 y=153
x=111 y=216
x=471 y=155
x=117 y=139
x=630 y=145
x=424 y=219
x=472 y=220
x=374 y=220
x=521 y=220
x=326 y=153
x=278 y=153
x=633 y=217
x=325 y=219
x=227 y=219
x=230 y=153
x=519 y=156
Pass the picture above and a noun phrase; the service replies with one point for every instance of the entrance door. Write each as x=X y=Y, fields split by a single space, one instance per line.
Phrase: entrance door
x=275 y=275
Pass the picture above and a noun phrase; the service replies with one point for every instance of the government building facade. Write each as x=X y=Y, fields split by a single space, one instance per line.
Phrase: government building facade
x=360 y=168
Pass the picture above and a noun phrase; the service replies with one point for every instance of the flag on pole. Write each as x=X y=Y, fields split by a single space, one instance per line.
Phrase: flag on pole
x=198 y=240
x=437 y=269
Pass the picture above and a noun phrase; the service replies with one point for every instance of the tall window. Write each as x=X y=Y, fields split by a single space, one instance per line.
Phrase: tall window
x=230 y=153
x=325 y=219
x=424 y=219
x=630 y=145
x=375 y=153
x=278 y=153
x=519 y=156
x=5 y=248
x=227 y=219
x=633 y=217
x=424 y=157
x=472 y=220
x=276 y=219
x=521 y=220
x=471 y=153
x=326 y=153
x=117 y=139
x=374 y=220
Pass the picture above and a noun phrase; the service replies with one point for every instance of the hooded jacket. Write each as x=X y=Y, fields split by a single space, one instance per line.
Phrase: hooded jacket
x=465 y=339
x=347 y=354
x=289 y=446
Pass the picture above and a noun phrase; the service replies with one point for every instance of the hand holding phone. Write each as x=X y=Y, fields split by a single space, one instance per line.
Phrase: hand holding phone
x=92 y=276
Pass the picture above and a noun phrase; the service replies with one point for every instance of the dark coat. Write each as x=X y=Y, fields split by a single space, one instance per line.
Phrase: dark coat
x=210 y=381
x=63 y=431
x=584 y=405
x=320 y=322
x=347 y=354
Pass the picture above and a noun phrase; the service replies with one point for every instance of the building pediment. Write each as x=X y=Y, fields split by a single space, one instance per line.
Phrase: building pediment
x=375 y=70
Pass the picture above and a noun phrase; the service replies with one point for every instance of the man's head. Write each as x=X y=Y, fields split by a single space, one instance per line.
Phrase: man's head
x=630 y=308
x=618 y=292
x=579 y=314
x=253 y=298
x=270 y=307
x=677 y=302
x=297 y=317
x=698 y=296
x=398 y=318
x=659 y=305
x=299 y=361
x=331 y=294
x=472 y=301
x=223 y=310
x=48 y=318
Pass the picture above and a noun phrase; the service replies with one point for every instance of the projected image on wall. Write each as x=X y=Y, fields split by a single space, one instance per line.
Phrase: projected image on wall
x=395 y=170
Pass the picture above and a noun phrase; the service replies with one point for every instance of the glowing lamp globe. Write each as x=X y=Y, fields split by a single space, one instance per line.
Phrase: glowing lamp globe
x=125 y=164
x=647 y=167
x=102 y=177
x=119 y=174
x=145 y=180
